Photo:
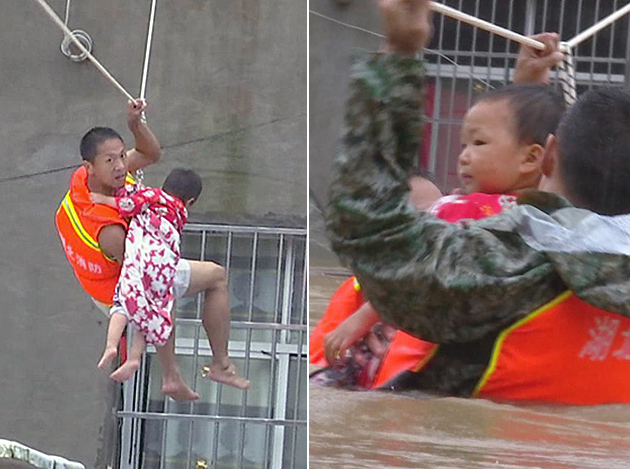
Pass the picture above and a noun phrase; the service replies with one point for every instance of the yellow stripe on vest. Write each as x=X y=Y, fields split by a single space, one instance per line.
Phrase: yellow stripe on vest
x=67 y=205
x=426 y=360
x=75 y=221
x=499 y=343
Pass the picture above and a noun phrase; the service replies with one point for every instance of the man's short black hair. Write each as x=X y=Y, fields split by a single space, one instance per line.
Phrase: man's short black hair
x=594 y=151
x=185 y=184
x=537 y=109
x=93 y=138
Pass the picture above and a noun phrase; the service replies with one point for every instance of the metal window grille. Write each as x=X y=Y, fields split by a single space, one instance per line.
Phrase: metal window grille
x=264 y=427
x=484 y=60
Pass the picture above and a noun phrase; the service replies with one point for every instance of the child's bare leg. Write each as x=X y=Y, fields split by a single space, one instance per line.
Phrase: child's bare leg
x=117 y=325
x=127 y=369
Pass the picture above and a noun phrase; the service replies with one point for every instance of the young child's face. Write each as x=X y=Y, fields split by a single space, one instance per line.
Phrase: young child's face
x=491 y=157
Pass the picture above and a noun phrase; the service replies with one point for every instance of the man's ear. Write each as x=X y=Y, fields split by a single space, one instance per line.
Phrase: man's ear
x=190 y=202
x=550 y=156
x=89 y=166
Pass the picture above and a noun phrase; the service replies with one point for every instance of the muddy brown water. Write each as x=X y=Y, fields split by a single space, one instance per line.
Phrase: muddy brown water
x=377 y=430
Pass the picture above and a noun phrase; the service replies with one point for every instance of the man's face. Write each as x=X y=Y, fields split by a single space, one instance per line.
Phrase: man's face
x=491 y=156
x=109 y=168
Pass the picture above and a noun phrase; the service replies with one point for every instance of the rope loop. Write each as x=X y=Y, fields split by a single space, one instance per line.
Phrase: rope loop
x=69 y=48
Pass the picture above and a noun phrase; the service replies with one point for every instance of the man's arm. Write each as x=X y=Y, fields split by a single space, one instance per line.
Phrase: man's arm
x=438 y=281
x=147 y=148
x=112 y=242
x=533 y=65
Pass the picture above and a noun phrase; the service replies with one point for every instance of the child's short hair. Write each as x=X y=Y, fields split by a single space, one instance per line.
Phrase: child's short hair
x=594 y=151
x=537 y=110
x=185 y=184
x=93 y=138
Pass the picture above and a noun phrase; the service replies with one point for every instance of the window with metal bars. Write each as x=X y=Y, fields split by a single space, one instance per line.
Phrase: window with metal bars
x=264 y=427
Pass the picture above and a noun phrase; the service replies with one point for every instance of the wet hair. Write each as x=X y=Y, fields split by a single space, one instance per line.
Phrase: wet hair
x=537 y=110
x=185 y=184
x=93 y=138
x=594 y=151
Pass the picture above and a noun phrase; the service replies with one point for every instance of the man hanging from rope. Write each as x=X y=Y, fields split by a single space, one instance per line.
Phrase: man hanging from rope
x=93 y=237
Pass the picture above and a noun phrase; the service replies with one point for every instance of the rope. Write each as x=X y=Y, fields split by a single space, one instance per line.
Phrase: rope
x=147 y=54
x=598 y=26
x=80 y=36
x=485 y=25
x=566 y=78
x=98 y=65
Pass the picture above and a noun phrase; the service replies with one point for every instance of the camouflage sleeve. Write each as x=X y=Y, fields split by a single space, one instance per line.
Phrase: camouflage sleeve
x=438 y=281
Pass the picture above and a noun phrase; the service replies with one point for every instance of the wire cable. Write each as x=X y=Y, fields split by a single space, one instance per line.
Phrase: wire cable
x=39 y=173
x=65 y=21
x=147 y=53
x=432 y=51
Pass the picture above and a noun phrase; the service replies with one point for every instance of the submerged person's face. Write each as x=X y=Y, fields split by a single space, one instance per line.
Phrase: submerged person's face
x=492 y=159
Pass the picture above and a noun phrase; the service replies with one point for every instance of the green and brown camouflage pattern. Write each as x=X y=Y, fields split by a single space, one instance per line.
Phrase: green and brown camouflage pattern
x=445 y=283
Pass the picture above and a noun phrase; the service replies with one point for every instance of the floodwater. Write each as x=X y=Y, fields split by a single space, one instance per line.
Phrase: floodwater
x=377 y=430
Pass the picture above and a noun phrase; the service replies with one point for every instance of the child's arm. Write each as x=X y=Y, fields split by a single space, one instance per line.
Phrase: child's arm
x=103 y=199
x=423 y=193
x=357 y=326
x=128 y=205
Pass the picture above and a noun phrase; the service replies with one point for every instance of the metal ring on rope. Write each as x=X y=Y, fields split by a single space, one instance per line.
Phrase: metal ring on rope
x=69 y=48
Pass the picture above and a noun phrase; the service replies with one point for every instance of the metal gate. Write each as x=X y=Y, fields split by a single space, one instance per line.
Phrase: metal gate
x=264 y=427
x=463 y=61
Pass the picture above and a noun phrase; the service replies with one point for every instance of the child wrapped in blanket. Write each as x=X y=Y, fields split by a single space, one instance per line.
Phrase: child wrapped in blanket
x=144 y=294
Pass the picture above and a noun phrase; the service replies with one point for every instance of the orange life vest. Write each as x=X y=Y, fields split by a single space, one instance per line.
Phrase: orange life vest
x=567 y=351
x=346 y=300
x=79 y=222
x=405 y=353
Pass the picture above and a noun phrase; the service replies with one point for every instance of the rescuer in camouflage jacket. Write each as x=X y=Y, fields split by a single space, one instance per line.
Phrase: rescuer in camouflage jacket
x=457 y=284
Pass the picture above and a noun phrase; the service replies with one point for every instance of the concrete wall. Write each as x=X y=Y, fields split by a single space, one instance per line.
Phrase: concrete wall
x=227 y=94
x=330 y=50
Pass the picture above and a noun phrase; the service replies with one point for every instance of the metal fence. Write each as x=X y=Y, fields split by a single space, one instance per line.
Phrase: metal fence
x=463 y=61
x=264 y=427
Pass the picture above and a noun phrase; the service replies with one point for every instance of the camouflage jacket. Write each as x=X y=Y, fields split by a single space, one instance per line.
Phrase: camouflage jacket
x=445 y=283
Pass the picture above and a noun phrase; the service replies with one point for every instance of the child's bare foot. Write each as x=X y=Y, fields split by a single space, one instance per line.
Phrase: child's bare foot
x=178 y=390
x=125 y=371
x=108 y=355
x=225 y=374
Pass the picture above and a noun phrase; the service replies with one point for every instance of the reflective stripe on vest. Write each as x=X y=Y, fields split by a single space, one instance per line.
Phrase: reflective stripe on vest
x=405 y=353
x=567 y=351
x=499 y=342
x=75 y=221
